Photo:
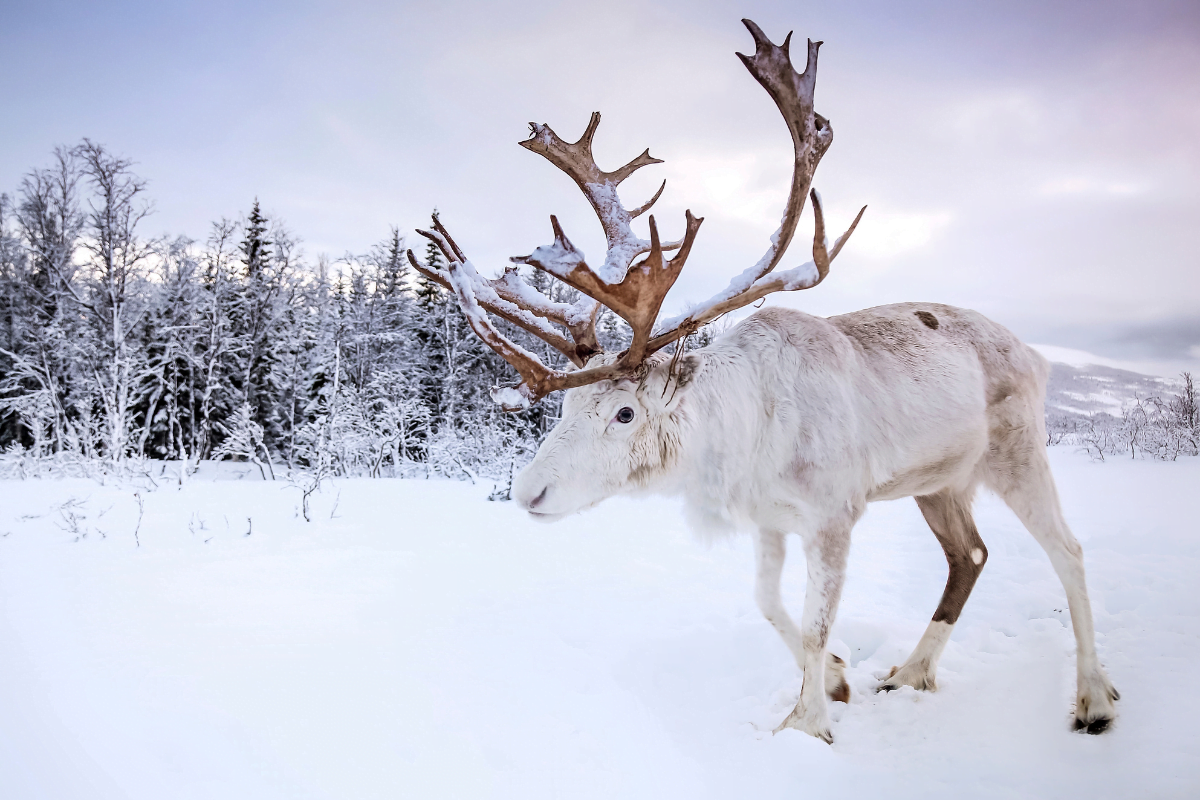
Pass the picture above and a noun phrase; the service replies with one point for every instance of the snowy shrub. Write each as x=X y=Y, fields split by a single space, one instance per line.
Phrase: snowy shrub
x=244 y=441
x=1148 y=427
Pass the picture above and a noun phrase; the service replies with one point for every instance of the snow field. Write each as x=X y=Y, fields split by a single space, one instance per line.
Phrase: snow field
x=415 y=640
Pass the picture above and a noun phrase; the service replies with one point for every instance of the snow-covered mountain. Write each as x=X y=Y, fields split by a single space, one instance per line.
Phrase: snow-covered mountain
x=1083 y=384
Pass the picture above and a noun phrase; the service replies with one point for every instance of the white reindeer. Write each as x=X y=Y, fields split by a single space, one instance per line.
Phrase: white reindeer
x=788 y=423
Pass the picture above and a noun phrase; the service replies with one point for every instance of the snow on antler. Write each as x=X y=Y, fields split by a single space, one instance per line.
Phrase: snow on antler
x=600 y=189
x=636 y=291
x=747 y=288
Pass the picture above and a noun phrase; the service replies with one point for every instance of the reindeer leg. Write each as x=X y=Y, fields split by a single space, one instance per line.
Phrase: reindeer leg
x=1027 y=486
x=949 y=515
x=826 y=554
x=770 y=550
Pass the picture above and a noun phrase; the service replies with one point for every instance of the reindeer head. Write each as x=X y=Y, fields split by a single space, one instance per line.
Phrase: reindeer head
x=615 y=435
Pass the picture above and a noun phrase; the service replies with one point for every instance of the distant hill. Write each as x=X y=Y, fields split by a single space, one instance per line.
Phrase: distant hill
x=1085 y=391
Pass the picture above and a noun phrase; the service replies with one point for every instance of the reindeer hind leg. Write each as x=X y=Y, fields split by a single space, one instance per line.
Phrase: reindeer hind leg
x=948 y=513
x=1020 y=474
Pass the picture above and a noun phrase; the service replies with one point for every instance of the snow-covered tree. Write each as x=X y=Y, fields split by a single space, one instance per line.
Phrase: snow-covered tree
x=115 y=262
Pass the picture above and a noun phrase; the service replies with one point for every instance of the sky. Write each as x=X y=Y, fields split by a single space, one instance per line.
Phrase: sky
x=1036 y=161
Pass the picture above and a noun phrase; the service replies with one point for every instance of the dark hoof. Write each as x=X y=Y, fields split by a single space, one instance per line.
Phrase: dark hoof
x=1115 y=694
x=1094 y=727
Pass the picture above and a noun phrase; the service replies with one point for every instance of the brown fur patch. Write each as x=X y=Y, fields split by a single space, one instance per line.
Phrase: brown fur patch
x=930 y=320
x=950 y=518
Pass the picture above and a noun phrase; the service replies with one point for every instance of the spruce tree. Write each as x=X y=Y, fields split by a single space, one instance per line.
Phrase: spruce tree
x=257 y=310
x=391 y=266
x=256 y=247
x=429 y=334
x=429 y=294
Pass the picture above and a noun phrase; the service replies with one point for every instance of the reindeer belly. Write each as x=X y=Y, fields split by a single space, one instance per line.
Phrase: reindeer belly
x=947 y=457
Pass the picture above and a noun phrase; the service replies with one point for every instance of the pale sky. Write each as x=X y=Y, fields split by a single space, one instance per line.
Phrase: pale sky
x=1036 y=161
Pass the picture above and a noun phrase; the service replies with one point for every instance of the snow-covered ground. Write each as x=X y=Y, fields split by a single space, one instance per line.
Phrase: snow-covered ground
x=418 y=641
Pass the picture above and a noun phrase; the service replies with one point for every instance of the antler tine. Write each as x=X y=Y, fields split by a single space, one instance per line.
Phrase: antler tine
x=457 y=253
x=600 y=189
x=526 y=309
x=820 y=248
x=822 y=257
x=644 y=207
x=534 y=374
x=805 y=276
x=537 y=380
x=845 y=237
x=812 y=134
x=579 y=317
x=439 y=238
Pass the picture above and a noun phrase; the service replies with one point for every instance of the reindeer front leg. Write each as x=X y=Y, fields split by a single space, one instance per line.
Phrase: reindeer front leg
x=770 y=551
x=826 y=555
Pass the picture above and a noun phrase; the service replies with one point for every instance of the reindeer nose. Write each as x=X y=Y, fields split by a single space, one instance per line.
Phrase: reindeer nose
x=531 y=489
x=535 y=502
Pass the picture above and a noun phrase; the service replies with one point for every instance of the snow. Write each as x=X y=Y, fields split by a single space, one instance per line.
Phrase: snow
x=416 y=640
x=509 y=398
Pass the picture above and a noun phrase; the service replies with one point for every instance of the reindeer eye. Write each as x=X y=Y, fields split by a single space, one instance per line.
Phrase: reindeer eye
x=625 y=414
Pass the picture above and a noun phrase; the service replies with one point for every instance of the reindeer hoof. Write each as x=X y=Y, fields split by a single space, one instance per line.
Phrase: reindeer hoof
x=1094 y=727
x=917 y=677
x=824 y=734
x=1094 y=709
x=813 y=725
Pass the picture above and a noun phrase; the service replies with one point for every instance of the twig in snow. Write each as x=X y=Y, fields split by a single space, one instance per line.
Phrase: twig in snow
x=71 y=519
x=307 y=491
x=192 y=523
x=250 y=523
x=335 y=504
x=141 y=511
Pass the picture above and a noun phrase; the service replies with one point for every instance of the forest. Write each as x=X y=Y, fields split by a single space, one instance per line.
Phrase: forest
x=117 y=347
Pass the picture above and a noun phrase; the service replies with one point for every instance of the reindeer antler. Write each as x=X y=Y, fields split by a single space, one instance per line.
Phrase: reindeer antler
x=635 y=292
x=511 y=298
x=812 y=134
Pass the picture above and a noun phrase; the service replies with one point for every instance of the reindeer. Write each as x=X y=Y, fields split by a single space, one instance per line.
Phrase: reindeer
x=788 y=423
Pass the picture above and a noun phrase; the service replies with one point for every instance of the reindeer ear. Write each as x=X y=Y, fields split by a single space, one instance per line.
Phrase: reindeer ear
x=686 y=369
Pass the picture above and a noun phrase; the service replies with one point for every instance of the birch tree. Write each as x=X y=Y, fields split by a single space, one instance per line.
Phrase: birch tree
x=115 y=260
